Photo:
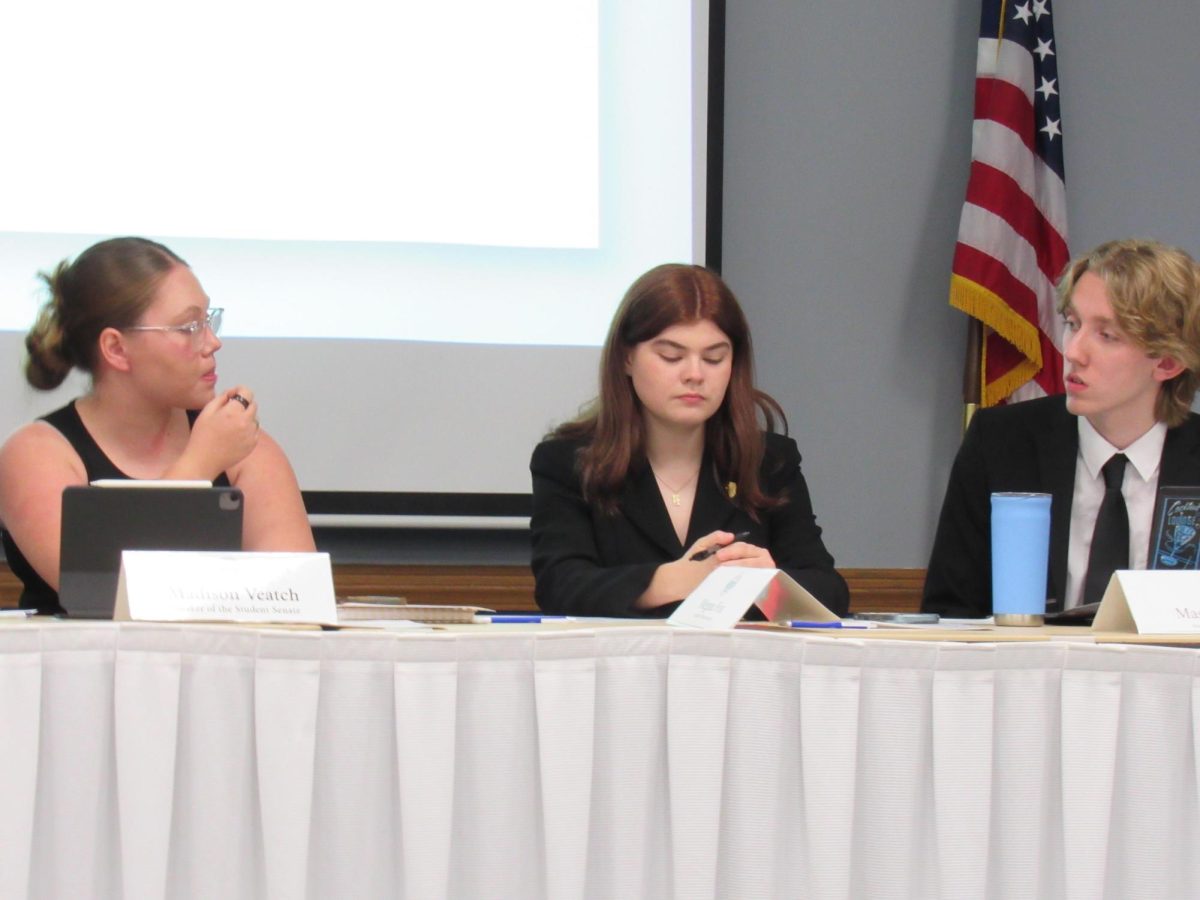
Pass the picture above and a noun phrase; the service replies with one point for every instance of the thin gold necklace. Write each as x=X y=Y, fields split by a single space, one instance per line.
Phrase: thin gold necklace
x=675 y=492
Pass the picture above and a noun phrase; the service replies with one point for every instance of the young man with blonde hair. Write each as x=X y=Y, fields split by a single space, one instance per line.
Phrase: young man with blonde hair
x=1125 y=426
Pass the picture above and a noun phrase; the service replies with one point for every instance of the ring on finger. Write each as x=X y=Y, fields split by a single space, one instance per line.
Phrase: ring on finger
x=242 y=400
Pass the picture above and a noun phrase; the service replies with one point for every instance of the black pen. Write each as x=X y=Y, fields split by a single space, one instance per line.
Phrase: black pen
x=709 y=551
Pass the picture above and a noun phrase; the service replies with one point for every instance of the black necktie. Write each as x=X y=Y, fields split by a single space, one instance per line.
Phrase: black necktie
x=1110 y=540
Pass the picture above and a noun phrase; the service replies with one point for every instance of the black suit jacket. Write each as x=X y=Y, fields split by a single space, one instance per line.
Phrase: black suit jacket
x=593 y=563
x=1029 y=446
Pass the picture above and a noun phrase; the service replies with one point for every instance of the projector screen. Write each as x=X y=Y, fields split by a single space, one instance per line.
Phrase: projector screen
x=418 y=217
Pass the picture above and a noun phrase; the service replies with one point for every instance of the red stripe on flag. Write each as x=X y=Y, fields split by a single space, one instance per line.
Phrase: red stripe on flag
x=987 y=270
x=999 y=193
x=1004 y=102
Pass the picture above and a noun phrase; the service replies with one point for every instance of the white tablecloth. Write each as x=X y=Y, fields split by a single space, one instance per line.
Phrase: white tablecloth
x=147 y=761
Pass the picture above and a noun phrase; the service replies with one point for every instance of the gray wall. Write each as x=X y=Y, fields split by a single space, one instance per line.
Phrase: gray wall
x=847 y=142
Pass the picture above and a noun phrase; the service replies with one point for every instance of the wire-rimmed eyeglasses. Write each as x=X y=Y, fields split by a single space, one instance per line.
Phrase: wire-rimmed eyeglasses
x=193 y=329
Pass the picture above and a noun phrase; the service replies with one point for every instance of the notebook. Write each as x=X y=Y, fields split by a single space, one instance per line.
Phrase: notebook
x=99 y=522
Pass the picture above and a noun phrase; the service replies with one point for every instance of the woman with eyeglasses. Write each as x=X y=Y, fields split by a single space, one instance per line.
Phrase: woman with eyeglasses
x=131 y=314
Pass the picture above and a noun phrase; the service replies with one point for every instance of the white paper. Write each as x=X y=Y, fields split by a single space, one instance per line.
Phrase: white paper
x=387 y=624
x=721 y=599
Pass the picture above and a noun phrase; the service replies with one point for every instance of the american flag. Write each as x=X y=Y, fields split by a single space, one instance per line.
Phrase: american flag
x=1012 y=238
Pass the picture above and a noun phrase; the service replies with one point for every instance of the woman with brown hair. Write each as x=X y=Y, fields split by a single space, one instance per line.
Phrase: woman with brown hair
x=131 y=313
x=670 y=462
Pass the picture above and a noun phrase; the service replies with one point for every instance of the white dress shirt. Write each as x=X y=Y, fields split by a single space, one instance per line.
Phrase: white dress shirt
x=1139 y=489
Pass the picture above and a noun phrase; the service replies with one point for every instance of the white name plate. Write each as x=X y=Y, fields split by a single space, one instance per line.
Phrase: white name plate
x=721 y=599
x=1150 y=601
x=195 y=586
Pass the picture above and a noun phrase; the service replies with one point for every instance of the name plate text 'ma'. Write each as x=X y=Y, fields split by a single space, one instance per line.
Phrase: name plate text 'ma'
x=1148 y=601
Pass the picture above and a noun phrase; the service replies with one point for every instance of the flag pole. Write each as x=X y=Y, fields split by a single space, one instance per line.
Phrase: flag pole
x=972 y=386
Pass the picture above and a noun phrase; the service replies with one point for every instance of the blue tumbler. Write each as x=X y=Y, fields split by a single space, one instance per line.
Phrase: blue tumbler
x=1020 y=557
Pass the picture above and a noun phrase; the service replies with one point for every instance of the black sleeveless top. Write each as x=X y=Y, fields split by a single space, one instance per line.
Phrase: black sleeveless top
x=37 y=594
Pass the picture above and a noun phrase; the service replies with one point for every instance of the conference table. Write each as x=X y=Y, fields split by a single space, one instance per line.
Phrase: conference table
x=593 y=761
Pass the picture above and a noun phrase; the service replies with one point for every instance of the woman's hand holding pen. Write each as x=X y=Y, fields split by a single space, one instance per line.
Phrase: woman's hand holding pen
x=675 y=580
x=738 y=553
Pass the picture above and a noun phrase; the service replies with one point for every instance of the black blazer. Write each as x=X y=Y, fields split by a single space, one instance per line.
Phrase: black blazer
x=588 y=562
x=1029 y=446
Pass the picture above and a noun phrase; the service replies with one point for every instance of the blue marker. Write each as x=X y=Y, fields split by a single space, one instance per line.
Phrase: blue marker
x=520 y=619
x=799 y=623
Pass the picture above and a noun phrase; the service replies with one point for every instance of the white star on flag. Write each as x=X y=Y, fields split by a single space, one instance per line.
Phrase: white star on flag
x=1043 y=49
x=1039 y=9
x=1047 y=88
x=1051 y=129
x=1022 y=12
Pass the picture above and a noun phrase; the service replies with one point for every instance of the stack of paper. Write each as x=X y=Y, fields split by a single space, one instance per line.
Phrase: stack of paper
x=358 y=609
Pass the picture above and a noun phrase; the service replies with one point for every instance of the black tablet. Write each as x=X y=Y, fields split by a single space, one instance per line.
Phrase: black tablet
x=99 y=522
